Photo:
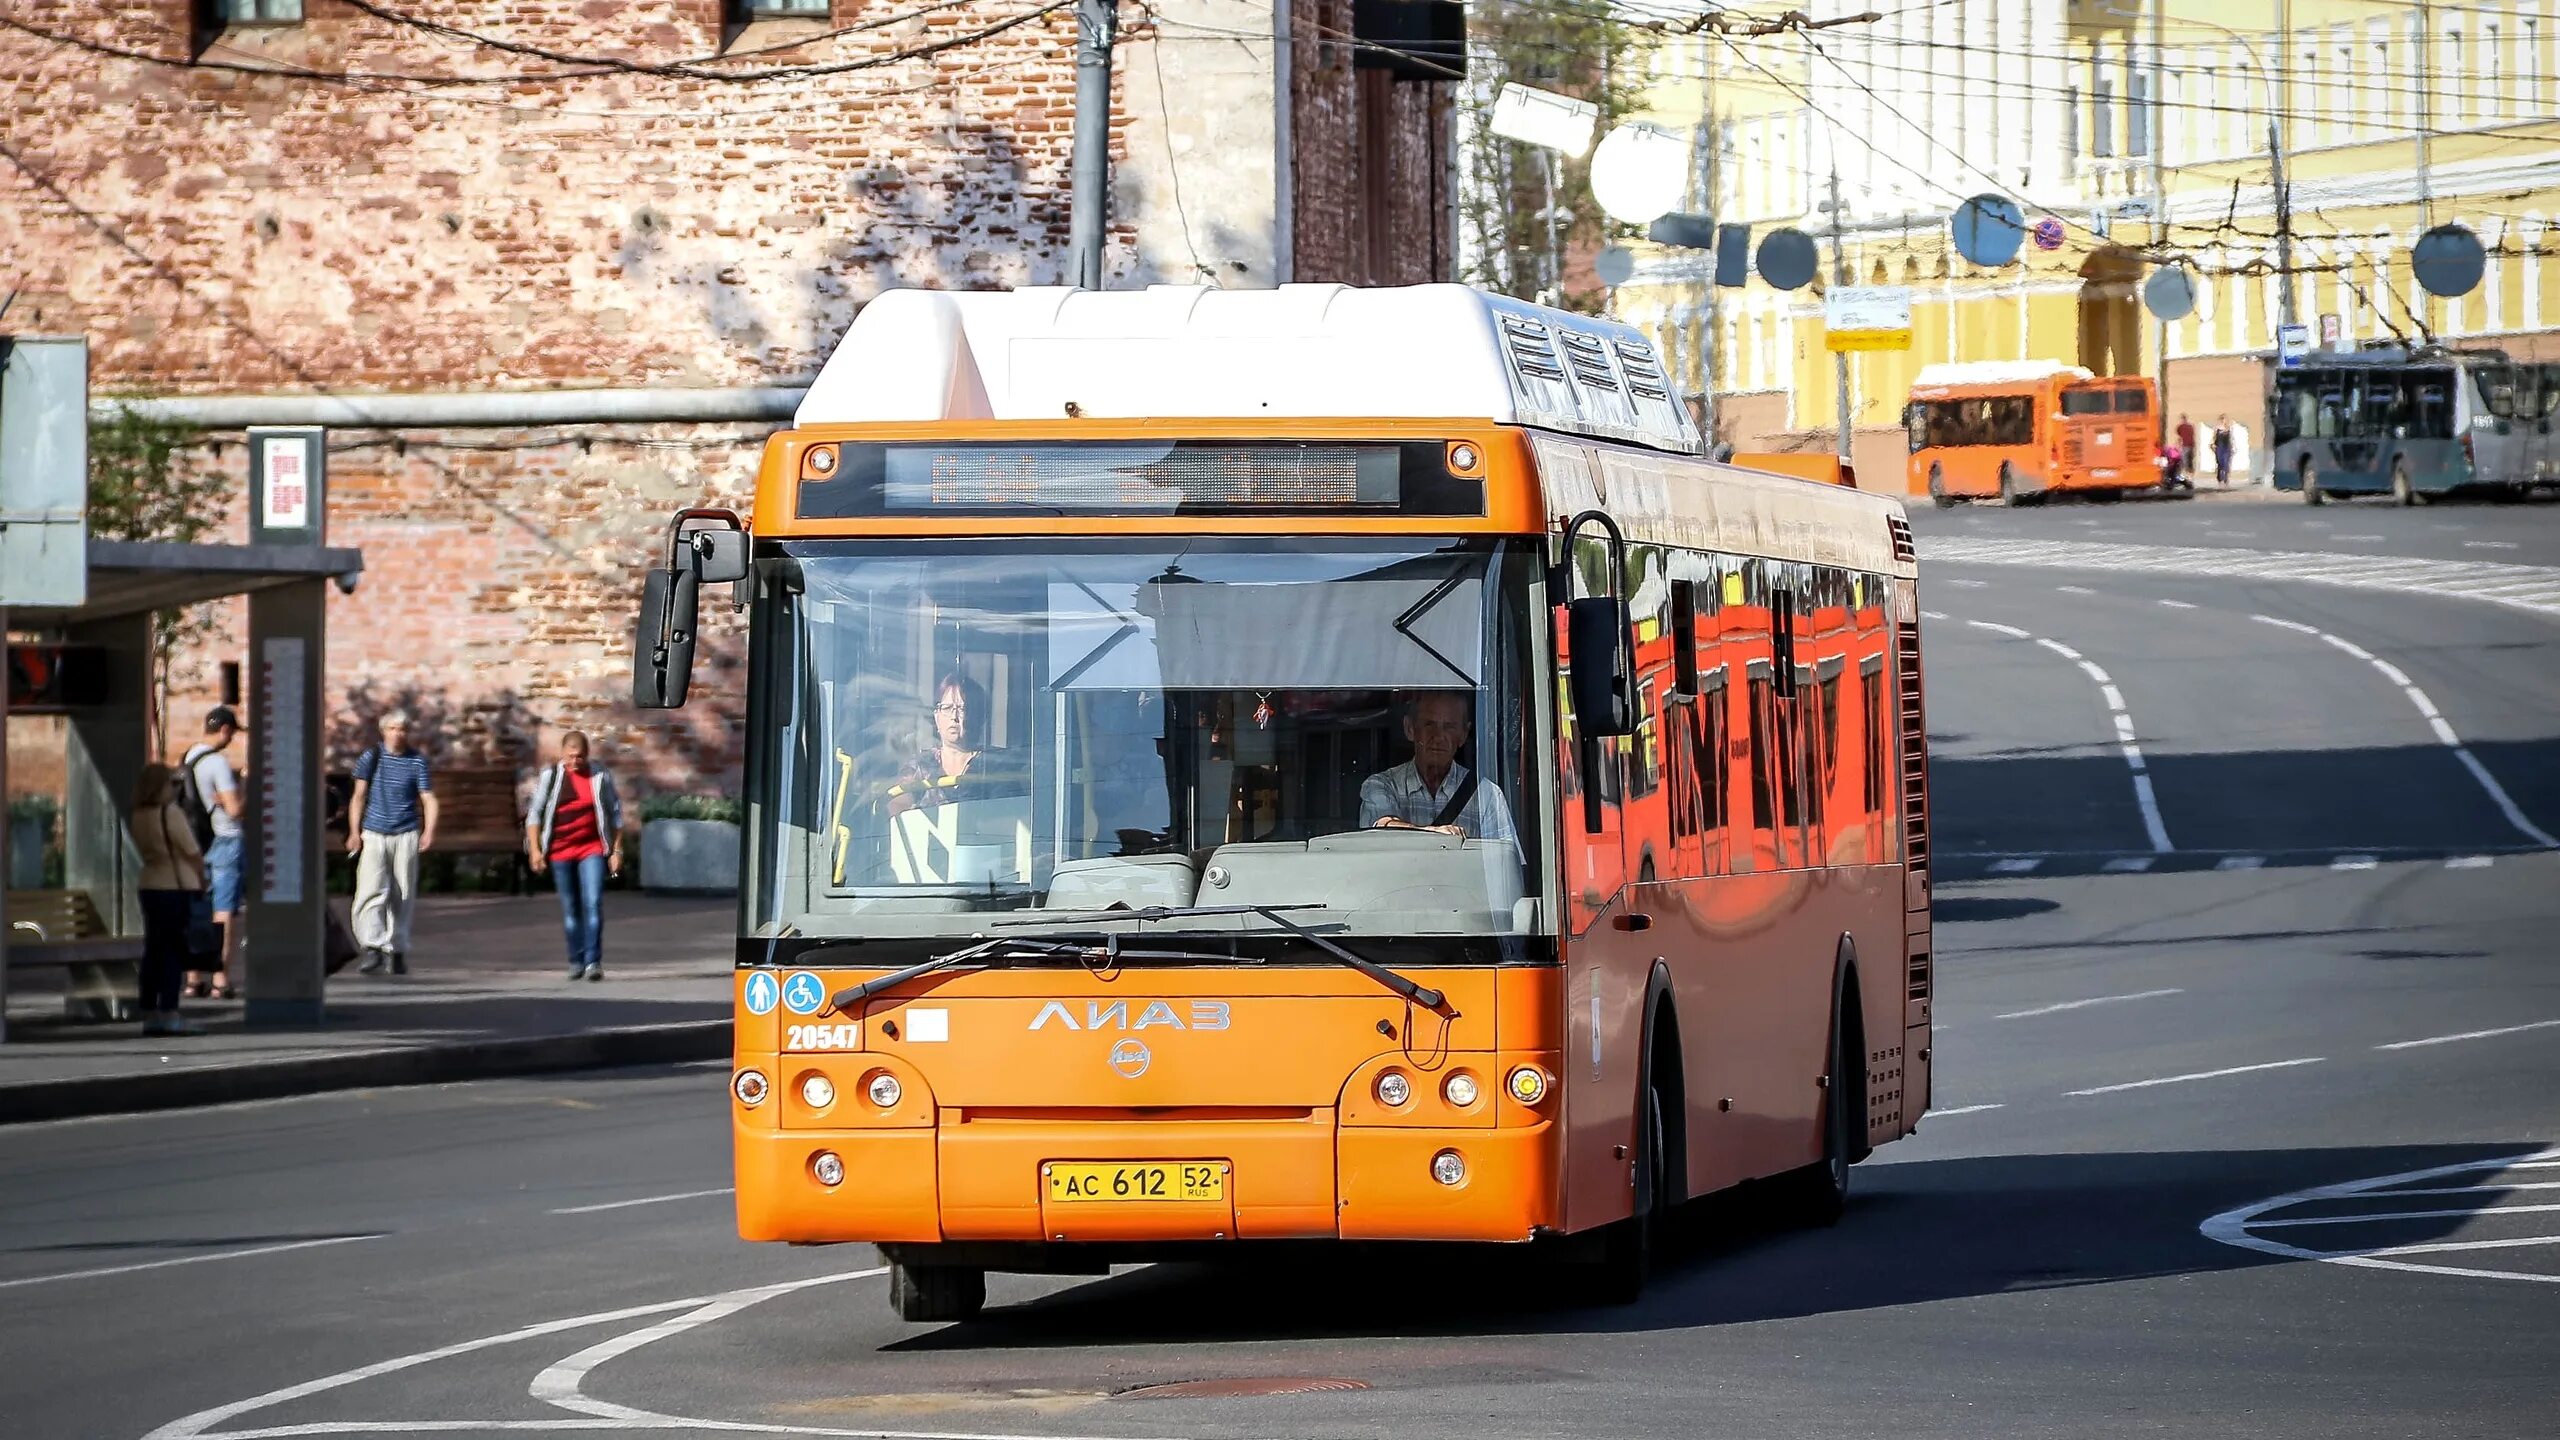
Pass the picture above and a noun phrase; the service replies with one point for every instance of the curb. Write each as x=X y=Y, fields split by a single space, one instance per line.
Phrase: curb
x=408 y=1065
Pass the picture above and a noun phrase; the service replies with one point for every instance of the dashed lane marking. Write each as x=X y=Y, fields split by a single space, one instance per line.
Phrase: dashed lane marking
x=2243 y=1226
x=2016 y=865
x=2177 y=604
x=1932 y=615
x=2525 y=587
x=643 y=1200
x=2240 y=862
x=2075 y=589
x=1965 y=1110
x=2057 y=1009
x=2198 y=1075
x=2355 y=862
x=2129 y=864
x=2488 y=545
x=2443 y=728
x=2471 y=862
x=103 y=1272
x=2469 y=1035
x=2154 y=829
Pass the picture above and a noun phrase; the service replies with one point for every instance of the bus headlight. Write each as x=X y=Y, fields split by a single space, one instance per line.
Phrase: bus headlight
x=885 y=1090
x=828 y=1168
x=750 y=1088
x=1393 y=1089
x=817 y=1092
x=1528 y=1084
x=1449 y=1168
x=1461 y=1090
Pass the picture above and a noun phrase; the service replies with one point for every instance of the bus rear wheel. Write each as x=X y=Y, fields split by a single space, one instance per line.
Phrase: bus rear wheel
x=1818 y=1193
x=2401 y=490
x=936 y=1294
x=2310 y=485
x=1938 y=489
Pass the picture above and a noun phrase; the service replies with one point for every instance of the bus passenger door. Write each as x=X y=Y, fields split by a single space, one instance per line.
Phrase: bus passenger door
x=1606 y=961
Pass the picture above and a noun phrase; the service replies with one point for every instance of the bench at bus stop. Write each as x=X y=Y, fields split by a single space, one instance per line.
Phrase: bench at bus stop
x=62 y=930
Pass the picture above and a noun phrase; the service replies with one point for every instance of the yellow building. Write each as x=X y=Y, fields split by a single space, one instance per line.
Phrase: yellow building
x=2143 y=129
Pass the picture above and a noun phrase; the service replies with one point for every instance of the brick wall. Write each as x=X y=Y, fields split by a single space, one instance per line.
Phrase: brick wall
x=1370 y=156
x=220 y=232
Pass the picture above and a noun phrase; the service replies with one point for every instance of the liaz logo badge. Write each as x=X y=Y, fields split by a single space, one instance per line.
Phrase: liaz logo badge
x=1157 y=1014
x=1131 y=1057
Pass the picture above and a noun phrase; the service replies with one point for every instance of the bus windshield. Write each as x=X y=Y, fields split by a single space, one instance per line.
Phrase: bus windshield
x=1058 y=731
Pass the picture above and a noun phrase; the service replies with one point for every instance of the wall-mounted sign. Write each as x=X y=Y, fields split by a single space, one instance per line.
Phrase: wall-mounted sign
x=1867 y=317
x=288 y=484
x=2292 y=343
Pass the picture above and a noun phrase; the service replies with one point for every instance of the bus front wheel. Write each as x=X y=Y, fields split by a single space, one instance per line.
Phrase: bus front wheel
x=936 y=1294
x=2310 y=485
x=2401 y=490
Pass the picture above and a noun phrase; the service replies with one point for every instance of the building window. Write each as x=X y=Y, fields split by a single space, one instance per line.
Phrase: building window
x=2493 y=72
x=2102 y=103
x=2529 y=74
x=2070 y=128
x=2315 y=125
x=2448 y=80
x=2355 y=88
x=253 y=12
x=2137 y=106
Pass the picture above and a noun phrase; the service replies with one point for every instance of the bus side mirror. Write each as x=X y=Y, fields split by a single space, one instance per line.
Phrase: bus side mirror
x=1596 y=627
x=720 y=556
x=662 y=652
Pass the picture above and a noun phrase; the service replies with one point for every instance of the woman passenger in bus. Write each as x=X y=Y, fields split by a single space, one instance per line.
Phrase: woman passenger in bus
x=957 y=765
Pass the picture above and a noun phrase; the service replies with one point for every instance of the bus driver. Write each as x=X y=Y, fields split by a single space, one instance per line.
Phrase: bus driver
x=1432 y=791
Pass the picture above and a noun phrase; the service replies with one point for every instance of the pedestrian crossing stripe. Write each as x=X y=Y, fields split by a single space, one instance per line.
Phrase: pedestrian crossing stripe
x=803 y=993
x=2525 y=587
x=763 y=993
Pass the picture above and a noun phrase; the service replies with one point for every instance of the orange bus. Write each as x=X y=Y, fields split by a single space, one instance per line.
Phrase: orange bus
x=2021 y=431
x=1234 y=768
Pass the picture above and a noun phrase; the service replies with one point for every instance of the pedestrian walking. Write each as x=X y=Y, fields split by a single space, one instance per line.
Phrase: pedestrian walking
x=210 y=793
x=574 y=830
x=394 y=822
x=171 y=885
x=2222 y=452
x=2186 y=449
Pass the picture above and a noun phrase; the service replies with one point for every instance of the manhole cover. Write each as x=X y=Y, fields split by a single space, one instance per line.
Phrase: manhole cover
x=1235 y=1389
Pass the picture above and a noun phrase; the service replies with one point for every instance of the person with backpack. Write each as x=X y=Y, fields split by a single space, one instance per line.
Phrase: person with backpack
x=172 y=881
x=210 y=794
x=392 y=820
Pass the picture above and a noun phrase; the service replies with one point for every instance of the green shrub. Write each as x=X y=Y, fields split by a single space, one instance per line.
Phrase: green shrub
x=690 y=807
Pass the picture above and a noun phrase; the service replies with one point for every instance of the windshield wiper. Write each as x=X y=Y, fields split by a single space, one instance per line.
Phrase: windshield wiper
x=1413 y=990
x=1104 y=949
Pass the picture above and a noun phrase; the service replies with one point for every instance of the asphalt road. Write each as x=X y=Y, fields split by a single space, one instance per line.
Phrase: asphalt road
x=2247 y=1109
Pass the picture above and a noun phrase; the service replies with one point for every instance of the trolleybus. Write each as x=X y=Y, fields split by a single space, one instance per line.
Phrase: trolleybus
x=1227 y=769
x=2414 y=425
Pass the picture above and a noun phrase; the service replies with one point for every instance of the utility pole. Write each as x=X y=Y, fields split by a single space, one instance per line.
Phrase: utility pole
x=1839 y=276
x=2426 y=114
x=2285 y=313
x=1097 y=25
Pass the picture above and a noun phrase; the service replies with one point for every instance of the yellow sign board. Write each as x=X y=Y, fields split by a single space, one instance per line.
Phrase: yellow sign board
x=1867 y=317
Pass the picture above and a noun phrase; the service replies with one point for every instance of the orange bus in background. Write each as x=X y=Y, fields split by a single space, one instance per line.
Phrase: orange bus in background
x=1096 y=908
x=2021 y=431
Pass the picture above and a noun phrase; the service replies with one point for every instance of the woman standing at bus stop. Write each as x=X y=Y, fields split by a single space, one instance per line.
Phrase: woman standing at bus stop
x=171 y=881
x=574 y=830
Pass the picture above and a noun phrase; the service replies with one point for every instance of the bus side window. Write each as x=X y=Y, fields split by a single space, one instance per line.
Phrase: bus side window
x=1747 y=653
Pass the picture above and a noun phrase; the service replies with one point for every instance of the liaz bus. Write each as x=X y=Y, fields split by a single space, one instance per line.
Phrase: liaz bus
x=2020 y=431
x=1227 y=769
x=2414 y=424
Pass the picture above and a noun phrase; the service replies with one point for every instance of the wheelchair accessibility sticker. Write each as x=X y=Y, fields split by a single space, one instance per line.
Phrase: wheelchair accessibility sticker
x=803 y=994
x=763 y=993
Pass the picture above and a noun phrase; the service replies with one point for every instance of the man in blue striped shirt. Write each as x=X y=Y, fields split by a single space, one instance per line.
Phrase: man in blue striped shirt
x=394 y=818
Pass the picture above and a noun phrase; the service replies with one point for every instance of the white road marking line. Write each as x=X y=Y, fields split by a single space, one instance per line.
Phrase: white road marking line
x=2440 y=1246
x=2235 y=1226
x=2361 y=538
x=105 y=1271
x=2529 y=587
x=1966 y=584
x=2240 y=862
x=2020 y=865
x=2469 y=1035
x=2381 y=1215
x=2084 y=1004
x=2444 y=731
x=1932 y=615
x=2058 y=648
x=2129 y=864
x=202 y=1422
x=2177 y=604
x=1965 y=1110
x=2354 y=862
x=2488 y=545
x=1996 y=628
x=2075 y=589
x=2473 y=1189
x=2471 y=862
x=643 y=1200
x=2199 y=1075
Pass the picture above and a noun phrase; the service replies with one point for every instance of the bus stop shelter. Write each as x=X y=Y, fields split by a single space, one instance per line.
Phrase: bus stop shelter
x=108 y=741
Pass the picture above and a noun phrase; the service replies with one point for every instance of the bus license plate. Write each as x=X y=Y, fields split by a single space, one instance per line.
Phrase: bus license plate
x=1153 y=1180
